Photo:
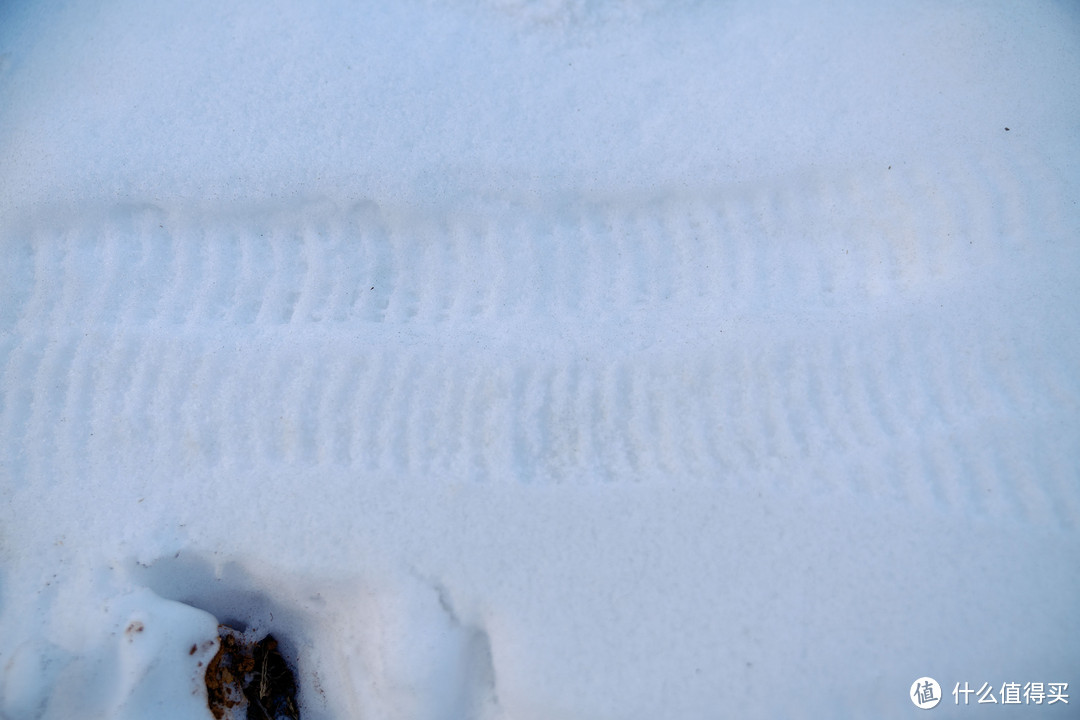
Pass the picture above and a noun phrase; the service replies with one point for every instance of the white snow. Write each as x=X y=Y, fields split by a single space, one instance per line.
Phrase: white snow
x=515 y=359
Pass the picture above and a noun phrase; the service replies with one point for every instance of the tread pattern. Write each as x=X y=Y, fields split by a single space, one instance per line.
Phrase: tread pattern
x=782 y=337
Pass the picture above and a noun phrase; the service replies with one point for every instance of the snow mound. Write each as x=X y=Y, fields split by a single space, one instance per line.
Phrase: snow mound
x=137 y=656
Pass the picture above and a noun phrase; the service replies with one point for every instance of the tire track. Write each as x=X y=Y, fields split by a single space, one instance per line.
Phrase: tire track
x=752 y=251
x=134 y=399
x=470 y=347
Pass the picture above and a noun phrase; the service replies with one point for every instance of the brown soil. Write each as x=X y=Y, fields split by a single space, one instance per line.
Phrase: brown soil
x=252 y=674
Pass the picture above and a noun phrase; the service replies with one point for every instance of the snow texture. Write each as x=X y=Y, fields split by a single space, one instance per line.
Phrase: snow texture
x=532 y=359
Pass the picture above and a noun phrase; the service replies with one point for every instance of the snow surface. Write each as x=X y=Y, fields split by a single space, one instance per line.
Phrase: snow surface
x=540 y=358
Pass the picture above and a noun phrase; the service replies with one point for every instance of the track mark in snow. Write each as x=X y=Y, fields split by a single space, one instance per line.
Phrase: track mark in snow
x=474 y=346
x=721 y=415
x=811 y=244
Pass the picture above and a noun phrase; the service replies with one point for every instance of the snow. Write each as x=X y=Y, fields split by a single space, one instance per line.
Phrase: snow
x=539 y=358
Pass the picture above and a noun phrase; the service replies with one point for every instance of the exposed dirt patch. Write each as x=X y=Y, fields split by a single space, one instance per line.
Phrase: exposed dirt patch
x=250 y=680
